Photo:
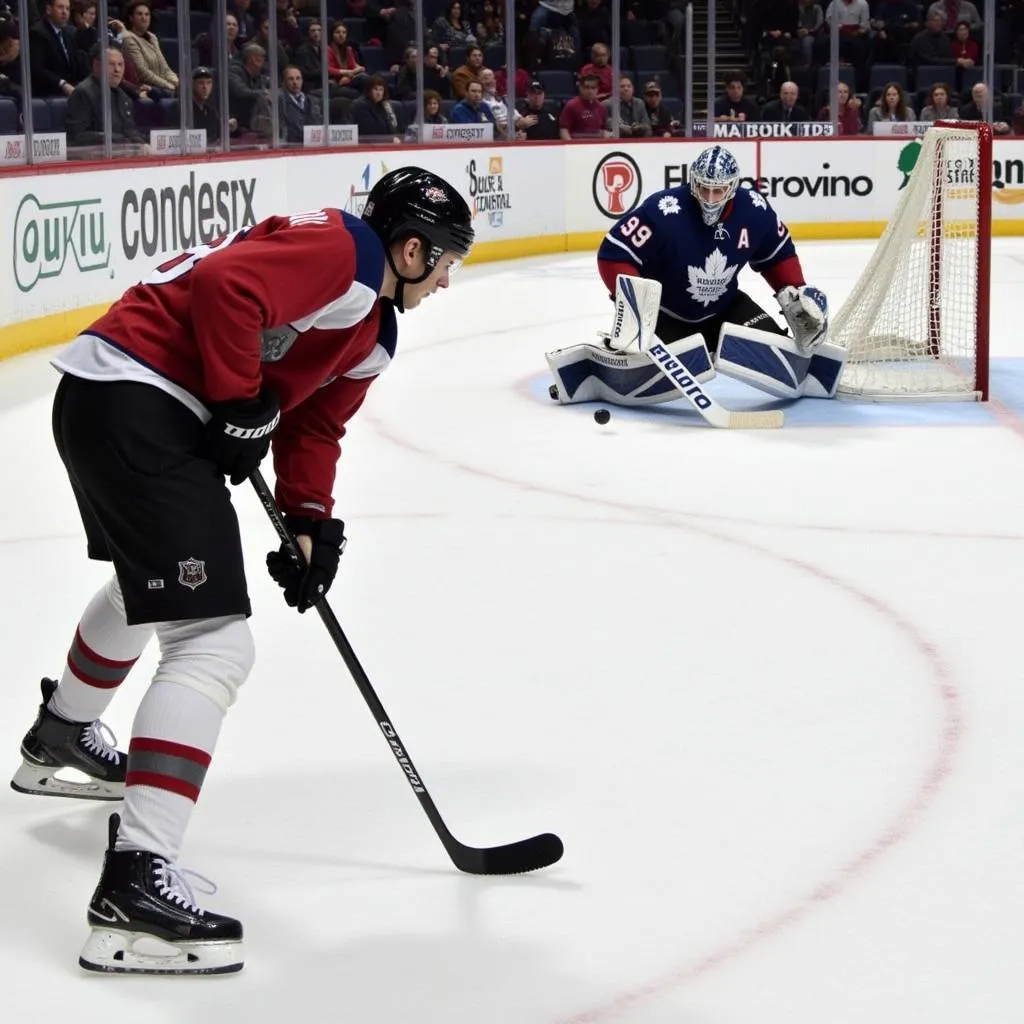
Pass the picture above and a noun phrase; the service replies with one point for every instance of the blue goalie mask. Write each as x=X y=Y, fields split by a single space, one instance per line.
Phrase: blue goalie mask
x=714 y=172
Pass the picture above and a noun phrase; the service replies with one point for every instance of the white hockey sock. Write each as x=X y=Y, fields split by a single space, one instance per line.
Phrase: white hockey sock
x=173 y=739
x=100 y=657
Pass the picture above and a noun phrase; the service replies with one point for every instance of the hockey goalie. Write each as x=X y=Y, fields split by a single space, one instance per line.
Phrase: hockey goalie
x=672 y=265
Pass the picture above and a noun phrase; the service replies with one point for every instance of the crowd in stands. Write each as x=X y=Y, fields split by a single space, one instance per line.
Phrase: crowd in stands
x=898 y=60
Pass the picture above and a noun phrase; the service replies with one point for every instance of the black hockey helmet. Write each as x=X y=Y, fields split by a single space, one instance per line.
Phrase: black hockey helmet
x=412 y=202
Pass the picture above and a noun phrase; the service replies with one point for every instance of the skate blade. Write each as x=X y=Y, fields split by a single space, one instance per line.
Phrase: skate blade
x=109 y=951
x=37 y=780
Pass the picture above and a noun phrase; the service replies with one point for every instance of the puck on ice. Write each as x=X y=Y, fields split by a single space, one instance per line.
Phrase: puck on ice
x=602 y=416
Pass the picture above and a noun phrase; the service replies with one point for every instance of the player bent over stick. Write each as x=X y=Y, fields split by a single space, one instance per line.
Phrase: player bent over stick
x=672 y=266
x=279 y=329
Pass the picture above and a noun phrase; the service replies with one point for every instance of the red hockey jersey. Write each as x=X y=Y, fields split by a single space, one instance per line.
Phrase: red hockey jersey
x=291 y=305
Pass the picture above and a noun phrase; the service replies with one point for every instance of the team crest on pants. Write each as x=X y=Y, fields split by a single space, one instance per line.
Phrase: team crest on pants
x=191 y=573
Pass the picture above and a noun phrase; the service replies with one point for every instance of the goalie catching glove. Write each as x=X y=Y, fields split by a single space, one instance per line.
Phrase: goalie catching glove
x=305 y=585
x=806 y=312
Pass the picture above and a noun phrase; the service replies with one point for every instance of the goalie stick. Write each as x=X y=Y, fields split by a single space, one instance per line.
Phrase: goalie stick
x=677 y=374
x=512 y=859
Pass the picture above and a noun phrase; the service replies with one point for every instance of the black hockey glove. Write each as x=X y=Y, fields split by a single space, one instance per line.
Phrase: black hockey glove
x=238 y=435
x=304 y=585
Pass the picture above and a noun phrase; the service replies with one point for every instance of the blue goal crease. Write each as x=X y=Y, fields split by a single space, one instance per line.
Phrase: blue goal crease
x=1006 y=385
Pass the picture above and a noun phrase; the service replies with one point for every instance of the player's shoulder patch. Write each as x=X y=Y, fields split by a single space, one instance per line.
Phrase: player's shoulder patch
x=662 y=204
x=753 y=197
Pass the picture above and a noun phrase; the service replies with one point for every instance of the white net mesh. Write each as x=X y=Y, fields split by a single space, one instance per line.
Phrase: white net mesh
x=910 y=326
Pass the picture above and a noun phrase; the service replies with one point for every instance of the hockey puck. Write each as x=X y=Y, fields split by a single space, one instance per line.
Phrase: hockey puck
x=602 y=416
x=553 y=392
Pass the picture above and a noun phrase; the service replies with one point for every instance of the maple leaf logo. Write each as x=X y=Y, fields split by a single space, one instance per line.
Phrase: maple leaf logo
x=668 y=204
x=757 y=199
x=710 y=284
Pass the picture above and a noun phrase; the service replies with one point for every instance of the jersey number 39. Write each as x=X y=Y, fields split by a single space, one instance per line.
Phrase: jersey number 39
x=636 y=232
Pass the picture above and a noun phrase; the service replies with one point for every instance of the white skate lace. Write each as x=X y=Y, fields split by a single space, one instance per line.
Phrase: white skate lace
x=99 y=739
x=173 y=886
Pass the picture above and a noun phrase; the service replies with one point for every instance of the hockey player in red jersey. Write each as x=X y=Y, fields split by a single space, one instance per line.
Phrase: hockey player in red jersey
x=270 y=335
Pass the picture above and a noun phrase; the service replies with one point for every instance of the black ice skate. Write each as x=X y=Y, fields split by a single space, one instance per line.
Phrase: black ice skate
x=144 y=920
x=53 y=744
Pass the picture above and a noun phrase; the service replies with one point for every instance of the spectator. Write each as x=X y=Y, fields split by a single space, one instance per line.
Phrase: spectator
x=663 y=124
x=405 y=80
x=83 y=22
x=343 y=67
x=10 y=63
x=780 y=23
x=522 y=81
x=733 y=105
x=144 y=50
x=965 y=49
x=633 y=120
x=556 y=18
x=432 y=107
x=1018 y=120
x=785 y=109
x=980 y=109
x=242 y=11
x=854 y=31
x=595 y=23
x=262 y=39
x=600 y=67
x=896 y=22
x=288 y=32
x=938 y=107
x=932 y=45
x=584 y=116
x=85 y=110
x=809 y=28
x=309 y=56
x=539 y=123
x=204 y=111
x=849 y=119
x=373 y=113
x=498 y=108
x=451 y=29
x=891 y=106
x=248 y=87
x=232 y=47
x=472 y=109
x=489 y=30
x=957 y=10
x=296 y=109
x=54 y=59
x=401 y=31
x=468 y=72
x=435 y=73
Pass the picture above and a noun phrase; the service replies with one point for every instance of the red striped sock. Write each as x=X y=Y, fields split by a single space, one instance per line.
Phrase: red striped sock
x=100 y=657
x=173 y=740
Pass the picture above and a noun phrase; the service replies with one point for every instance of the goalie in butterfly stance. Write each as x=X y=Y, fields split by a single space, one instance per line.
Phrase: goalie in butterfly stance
x=271 y=334
x=693 y=241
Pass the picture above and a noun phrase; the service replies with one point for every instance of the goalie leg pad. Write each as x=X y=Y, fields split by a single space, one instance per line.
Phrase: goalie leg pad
x=765 y=360
x=824 y=372
x=587 y=373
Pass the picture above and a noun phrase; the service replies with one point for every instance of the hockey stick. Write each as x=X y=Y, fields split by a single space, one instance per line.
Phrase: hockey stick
x=512 y=859
x=679 y=377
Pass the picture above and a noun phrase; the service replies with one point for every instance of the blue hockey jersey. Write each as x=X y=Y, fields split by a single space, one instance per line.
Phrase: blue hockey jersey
x=666 y=239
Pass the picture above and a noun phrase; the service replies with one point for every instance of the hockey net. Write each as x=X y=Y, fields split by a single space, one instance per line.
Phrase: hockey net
x=915 y=326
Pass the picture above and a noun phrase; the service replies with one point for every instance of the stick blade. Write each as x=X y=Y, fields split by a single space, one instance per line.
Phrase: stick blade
x=768 y=420
x=514 y=859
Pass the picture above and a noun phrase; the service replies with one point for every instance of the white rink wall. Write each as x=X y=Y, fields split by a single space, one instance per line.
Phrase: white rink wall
x=73 y=240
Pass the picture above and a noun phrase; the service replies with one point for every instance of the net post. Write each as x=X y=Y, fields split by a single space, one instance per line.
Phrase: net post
x=984 y=257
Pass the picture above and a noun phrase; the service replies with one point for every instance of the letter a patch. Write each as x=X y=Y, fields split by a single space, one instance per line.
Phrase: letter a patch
x=191 y=573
